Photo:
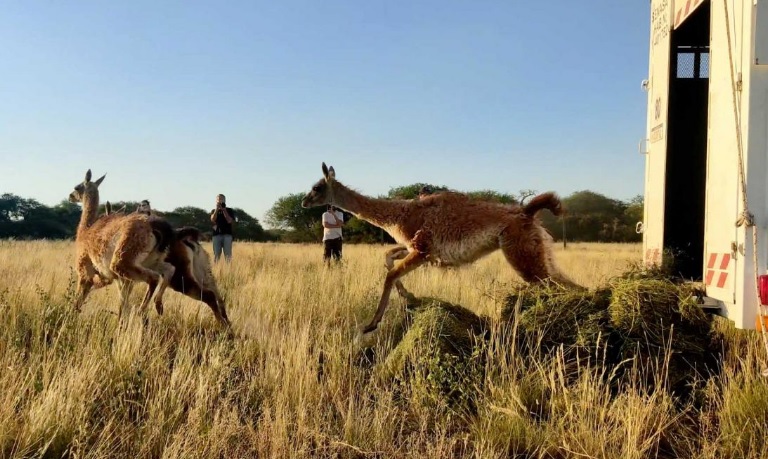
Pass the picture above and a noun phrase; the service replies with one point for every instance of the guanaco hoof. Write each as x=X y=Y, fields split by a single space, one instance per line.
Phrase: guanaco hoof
x=365 y=339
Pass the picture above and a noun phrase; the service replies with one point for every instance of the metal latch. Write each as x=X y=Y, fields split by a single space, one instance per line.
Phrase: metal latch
x=642 y=146
x=736 y=249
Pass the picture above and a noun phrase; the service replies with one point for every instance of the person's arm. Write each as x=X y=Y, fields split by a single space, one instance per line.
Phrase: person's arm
x=213 y=215
x=227 y=217
x=339 y=221
x=329 y=225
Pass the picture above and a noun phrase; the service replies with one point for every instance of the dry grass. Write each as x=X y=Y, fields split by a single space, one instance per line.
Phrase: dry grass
x=289 y=384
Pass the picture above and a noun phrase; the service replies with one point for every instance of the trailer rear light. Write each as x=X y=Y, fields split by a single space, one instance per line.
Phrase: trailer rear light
x=762 y=284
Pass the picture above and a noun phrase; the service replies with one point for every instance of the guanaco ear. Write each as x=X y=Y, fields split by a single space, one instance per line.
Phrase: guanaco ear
x=98 y=182
x=332 y=173
x=88 y=176
x=325 y=171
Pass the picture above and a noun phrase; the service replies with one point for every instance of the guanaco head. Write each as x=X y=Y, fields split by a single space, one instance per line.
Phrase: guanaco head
x=85 y=188
x=322 y=191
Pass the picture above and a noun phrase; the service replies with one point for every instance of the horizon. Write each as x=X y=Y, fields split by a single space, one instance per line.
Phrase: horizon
x=263 y=222
x=177 y=102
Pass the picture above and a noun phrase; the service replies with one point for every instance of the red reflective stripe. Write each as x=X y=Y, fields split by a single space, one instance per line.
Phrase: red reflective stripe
x=726 y=260
x=721 y=280
x=652 y=256
x=690 y=5
x=710 y=275
x=712 y=260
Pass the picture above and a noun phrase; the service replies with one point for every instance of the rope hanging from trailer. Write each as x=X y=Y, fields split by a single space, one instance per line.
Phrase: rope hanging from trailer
x=746 y=218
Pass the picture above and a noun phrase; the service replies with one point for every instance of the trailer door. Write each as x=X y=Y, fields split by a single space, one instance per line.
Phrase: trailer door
x=656 y=148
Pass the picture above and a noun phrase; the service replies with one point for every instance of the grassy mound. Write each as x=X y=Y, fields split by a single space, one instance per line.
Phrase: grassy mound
x=440 y=358
x=639 y=331
x=635 y=323
x=550 y=317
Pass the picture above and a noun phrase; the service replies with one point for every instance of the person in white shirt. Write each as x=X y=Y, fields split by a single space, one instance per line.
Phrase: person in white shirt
x=333 y=221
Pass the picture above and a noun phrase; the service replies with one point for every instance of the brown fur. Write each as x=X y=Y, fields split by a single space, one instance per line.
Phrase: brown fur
x=543 y=201
x=448 y=229
x=126 y=248
x=193 y=276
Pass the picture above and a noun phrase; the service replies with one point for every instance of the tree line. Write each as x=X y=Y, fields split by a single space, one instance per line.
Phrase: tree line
x=22 y=218
x=590 y=217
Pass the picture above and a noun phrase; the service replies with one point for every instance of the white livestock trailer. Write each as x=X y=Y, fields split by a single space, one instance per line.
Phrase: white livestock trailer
x=706 y=147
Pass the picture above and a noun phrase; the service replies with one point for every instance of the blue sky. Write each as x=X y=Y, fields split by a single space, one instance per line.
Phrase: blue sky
x=179 y=101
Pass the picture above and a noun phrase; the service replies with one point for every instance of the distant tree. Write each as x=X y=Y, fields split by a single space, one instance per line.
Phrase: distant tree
x=591 y=203
x=287 y=214
x=29 y=219
x=360 y=231
x=15 y=208
x=633 y=213
x=190 y=216
x=412 y=191
x=592 y=216
x=274 y=235
x=634 y=210
x=68 y=213
x=523 y=195
x=494 y=196
x=247 y=227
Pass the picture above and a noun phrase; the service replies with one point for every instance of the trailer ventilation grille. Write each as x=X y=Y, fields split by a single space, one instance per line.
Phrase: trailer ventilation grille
x=704 y=65
x=692 y=62
x=685 y=65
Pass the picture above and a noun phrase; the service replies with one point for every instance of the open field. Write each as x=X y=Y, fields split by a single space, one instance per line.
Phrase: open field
x=289 y=385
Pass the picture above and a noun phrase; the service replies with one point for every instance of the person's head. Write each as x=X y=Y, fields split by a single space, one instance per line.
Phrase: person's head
x=331 y=208
x=144 y=207
x=425 y=191
x=221 y=200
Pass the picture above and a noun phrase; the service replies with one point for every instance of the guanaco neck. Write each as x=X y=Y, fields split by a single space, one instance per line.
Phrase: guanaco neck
x=90 y=211
x=379 y=212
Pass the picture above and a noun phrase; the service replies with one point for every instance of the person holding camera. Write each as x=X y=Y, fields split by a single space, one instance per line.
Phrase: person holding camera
x=223 y=218
x=333 y=221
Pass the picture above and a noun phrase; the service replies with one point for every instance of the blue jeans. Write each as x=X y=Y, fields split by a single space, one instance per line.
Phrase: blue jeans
x=222 y=242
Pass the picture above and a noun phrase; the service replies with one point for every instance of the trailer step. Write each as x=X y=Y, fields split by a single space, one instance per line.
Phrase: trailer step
x=711 y=305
